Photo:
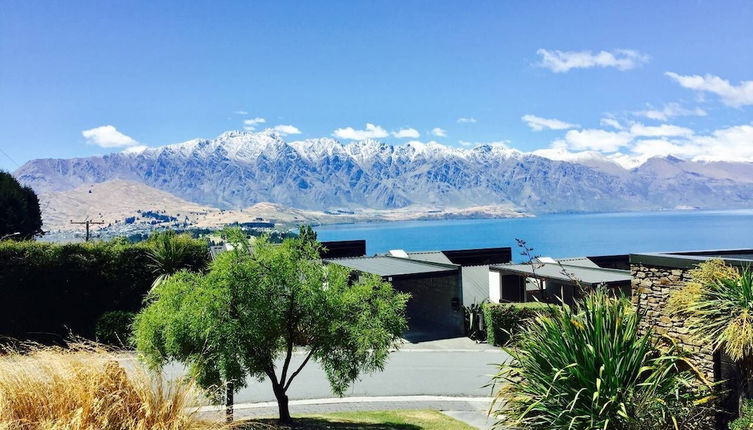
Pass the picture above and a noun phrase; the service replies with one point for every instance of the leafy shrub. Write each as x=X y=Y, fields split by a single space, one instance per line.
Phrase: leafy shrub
x=503 y=319
x=745 y=422
x=587 y=367
x=49 y=290
x=114 y=328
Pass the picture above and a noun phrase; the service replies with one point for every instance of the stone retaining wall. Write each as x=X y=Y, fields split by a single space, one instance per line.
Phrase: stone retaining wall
x=651 y=286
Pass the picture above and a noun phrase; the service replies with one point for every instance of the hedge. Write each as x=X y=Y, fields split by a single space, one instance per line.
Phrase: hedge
x=505 y=319
x=49 y=291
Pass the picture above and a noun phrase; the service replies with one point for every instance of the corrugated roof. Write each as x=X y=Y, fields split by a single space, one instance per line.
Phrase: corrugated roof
x=585 y=275
x=432 y=256
x=383 y=265
x=579 y=261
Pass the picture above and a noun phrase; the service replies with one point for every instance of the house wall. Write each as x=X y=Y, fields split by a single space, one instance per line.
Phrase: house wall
x=495 y=286
x=651 y=288
x=430 y=309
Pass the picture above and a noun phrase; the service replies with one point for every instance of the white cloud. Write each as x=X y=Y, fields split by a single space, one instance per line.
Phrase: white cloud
x=406 y=132
x=647 y=148
x=138 y=149
x=371 y=132
x=727 y=144
x=611 y=122
x=558 y=152
x=664 y=130
x=286 y=129
x=107 y=136
x=595 y=139
x=251 y=123
x=735 y=96
x=466 y=120
x=670 y=110
x=537 y=123
x=633 y=146
x=563 y=61
x=240 y=112
x=439 y=132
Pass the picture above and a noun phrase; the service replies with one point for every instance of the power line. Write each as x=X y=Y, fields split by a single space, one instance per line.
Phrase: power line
x=87 y=223
x=9 y=158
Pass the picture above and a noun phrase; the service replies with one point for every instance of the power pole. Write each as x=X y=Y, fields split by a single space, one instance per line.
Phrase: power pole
x=87 y=223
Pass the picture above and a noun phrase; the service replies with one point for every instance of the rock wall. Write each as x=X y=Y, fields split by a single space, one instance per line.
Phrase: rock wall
x=651 y=287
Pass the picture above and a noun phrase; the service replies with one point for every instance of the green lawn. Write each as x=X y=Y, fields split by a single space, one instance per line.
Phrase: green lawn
x=368 y=420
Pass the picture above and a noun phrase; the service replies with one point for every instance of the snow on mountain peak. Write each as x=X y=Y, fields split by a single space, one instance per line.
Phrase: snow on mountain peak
x=239 y=168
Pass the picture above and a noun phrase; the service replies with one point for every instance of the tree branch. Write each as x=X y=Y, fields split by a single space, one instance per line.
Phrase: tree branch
x=270 y=371
x=289 y=354
x=306 y=360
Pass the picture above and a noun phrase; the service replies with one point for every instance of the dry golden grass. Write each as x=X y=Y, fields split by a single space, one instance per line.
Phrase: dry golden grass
x=85 y=388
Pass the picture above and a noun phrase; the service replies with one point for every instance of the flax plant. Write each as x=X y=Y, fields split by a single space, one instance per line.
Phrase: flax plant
x=168 y=253
x=588 y=367
x=718 y=310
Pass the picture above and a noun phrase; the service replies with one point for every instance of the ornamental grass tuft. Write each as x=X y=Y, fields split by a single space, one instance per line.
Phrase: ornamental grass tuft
x=85 y=387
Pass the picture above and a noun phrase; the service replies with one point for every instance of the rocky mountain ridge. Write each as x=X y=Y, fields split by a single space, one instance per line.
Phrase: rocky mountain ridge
x=238 y=169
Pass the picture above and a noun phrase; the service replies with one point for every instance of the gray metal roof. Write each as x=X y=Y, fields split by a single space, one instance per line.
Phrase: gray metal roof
x=585 y=275
x=689 y=259
x=431 y=256
x=579 y=261
x=383 y=265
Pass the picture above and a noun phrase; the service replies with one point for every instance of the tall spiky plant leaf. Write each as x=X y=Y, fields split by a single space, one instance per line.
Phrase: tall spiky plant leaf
x=587 y=367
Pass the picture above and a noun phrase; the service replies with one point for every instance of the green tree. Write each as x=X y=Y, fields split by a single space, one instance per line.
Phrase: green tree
x=587 y=367
x=717 y=307
x=246 y=316
x=306 y=233
x=20 y=216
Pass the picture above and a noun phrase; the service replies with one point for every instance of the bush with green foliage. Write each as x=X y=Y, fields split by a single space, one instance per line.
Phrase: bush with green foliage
x=745 y=421
x=114 y=328
x=505 y=319
x=252 y=310
x=20 y=217
x=50 y=290
x=588 y=367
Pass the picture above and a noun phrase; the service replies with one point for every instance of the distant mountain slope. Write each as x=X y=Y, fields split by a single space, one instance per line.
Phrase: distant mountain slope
x=238 y=169
x=115 y=201
x=111 y=201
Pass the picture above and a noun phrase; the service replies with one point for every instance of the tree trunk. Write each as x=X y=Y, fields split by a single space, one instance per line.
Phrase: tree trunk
x=282 y=404
x=229 y=389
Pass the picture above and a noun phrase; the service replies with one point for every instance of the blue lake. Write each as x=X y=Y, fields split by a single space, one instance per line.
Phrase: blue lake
x=565 y=235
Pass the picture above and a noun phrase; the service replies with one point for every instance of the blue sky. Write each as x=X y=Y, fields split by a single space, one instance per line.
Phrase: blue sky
x=625 y=79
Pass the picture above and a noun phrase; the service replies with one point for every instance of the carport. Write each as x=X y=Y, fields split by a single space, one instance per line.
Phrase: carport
x=559 y=281
x=434 y=309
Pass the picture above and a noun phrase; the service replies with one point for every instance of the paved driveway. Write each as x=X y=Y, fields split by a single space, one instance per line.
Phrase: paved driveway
x=452 y=367
x=448 y=375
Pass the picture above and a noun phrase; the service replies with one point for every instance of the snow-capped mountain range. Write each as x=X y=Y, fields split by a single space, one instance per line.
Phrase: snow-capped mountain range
x=238 y=169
